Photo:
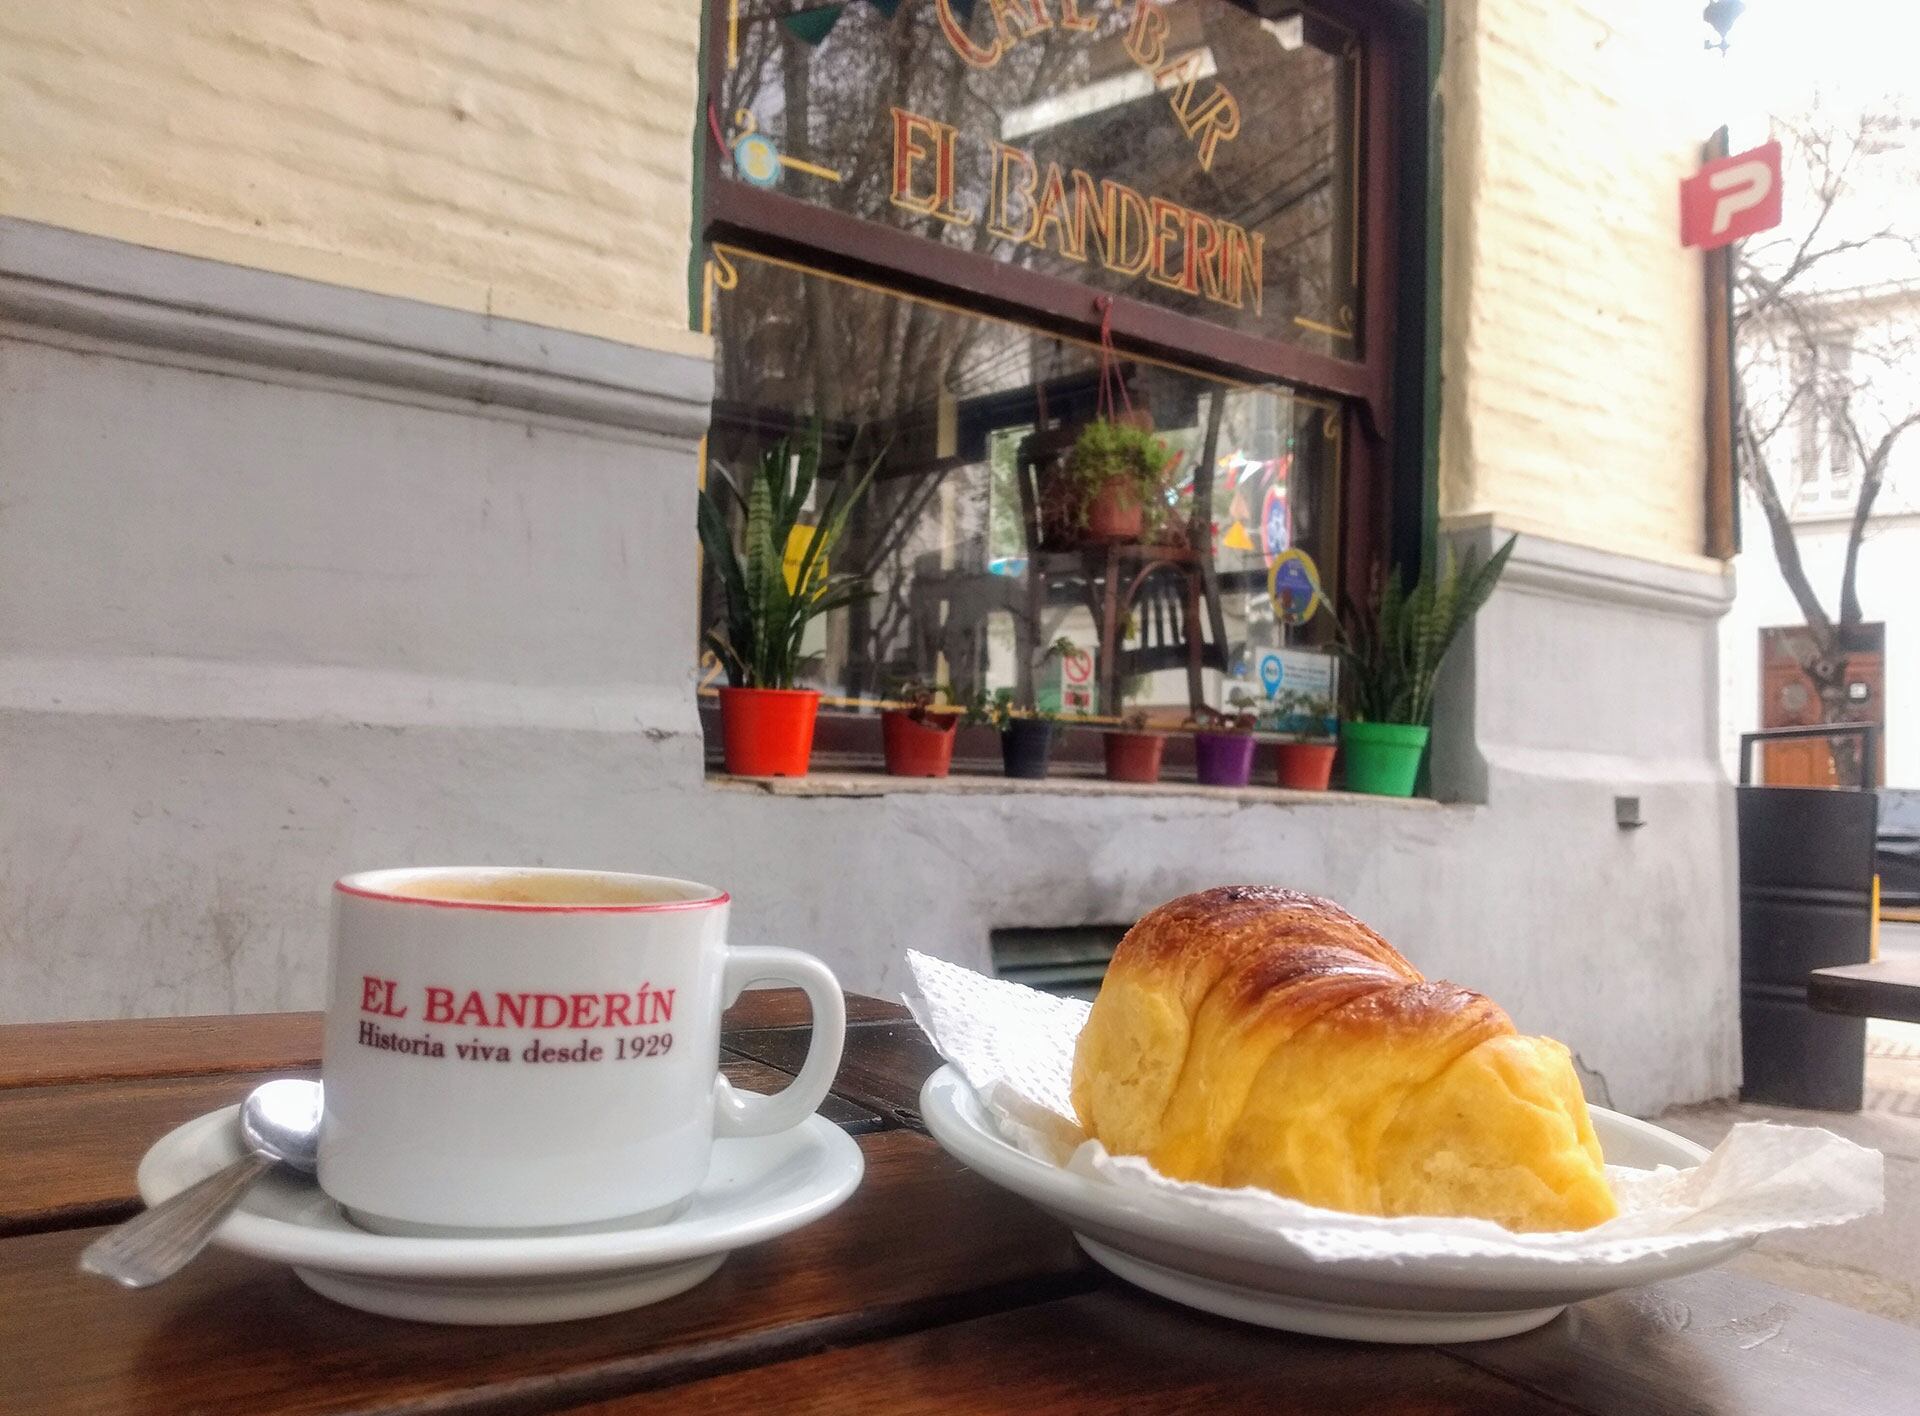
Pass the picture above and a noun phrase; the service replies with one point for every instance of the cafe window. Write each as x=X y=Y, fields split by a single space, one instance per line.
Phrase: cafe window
x=951 y=235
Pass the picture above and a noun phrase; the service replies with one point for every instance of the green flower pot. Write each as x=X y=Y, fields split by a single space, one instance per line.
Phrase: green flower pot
x=1383 y=759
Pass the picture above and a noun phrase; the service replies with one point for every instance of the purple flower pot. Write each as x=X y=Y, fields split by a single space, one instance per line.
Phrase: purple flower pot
x=1223 y=759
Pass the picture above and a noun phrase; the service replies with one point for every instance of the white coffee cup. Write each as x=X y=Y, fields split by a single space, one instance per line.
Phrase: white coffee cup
x=532 y=1049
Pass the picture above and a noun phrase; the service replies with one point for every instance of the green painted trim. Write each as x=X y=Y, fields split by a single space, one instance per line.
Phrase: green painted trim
x=1436 y=236
x=696 y=248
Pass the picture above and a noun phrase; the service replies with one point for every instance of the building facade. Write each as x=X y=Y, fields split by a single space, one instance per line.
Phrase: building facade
x=355 y=366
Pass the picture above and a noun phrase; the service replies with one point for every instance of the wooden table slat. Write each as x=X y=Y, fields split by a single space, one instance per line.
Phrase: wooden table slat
x=1885 y=988
x=922 y=1242
x=884 y=1071
x=1111 y=1353
x=1713 y=1344
x=929 y=1291
x=70 y=1152
x=58 y=1054
x=61 y=1054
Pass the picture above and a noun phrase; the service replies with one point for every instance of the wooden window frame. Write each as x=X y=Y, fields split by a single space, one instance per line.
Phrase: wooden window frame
x=1386 y=395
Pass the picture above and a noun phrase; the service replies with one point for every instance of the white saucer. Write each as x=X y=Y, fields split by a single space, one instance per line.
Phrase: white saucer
x=1267 y=1279
x=757 y=1188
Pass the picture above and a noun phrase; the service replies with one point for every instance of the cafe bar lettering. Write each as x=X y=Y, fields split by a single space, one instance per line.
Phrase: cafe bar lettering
x=1071 y=212
x=642 y=1007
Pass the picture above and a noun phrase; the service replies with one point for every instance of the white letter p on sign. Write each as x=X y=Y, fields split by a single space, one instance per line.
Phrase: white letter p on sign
x=1741 y=187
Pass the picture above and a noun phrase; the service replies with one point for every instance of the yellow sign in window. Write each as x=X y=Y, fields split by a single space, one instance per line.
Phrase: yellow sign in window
x=798 y=540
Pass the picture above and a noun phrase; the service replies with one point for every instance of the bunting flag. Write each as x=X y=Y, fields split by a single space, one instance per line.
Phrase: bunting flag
x=812 y=25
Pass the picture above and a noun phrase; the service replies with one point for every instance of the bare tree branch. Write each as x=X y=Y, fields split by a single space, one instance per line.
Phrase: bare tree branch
x=1821 y=337
x=1780 y=526
x=1873 y=465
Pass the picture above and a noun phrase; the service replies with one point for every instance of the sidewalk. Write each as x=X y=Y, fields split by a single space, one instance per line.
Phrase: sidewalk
x=1871 y=1264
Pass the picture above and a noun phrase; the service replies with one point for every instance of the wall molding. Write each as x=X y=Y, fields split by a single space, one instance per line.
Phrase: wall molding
x=63 y=287
x=193 y=690
x=1542 y=565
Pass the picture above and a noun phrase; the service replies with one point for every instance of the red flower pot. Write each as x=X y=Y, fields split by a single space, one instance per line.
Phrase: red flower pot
x=1307 y=766
x=1134 y=757
x=918 y=749
x=1116 y=512
x=768 y=732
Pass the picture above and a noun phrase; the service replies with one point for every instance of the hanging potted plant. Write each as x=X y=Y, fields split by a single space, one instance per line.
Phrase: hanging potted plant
x=1116 y=477
x=1305 y=763
x=1392 y=657
x=918 y=738
x=1134 y=752
x=765 y=722
x=1223 y=747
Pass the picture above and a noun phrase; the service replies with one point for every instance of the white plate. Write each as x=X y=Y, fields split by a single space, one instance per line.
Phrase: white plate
x=756 y=1188
x=1266 y=1279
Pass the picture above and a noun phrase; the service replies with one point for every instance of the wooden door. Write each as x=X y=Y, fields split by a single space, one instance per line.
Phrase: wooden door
x=1788 y=699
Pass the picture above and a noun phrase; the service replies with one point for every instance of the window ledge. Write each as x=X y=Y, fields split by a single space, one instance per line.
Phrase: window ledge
x=878 y=784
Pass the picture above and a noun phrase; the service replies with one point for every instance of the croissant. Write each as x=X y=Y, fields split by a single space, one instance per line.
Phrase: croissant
x=1254 y=1036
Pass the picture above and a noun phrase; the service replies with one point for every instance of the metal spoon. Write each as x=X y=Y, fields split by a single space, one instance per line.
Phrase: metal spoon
x=280 y=1123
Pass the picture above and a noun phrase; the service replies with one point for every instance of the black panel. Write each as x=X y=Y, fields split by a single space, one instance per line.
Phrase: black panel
x=1806 y=879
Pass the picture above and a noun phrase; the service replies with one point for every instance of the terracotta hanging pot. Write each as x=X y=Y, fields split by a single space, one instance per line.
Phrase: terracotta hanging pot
x=1116 y=512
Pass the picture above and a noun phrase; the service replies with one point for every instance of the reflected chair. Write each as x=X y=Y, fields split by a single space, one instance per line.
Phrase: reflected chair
x=1163 y=596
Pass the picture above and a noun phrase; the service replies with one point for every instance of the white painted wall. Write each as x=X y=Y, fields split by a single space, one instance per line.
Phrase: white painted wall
x=330 y=622
x=296 y=580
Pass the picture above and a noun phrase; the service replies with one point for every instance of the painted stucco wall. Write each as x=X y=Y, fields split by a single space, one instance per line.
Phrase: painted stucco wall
x=531 y=160
x=295 y=581
x=534 y=161
x=1573 y=344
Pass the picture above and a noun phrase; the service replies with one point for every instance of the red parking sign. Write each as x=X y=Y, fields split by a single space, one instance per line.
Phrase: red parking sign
x=1731 y=197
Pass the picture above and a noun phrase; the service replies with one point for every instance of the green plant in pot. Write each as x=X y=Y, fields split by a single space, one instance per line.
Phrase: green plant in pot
x=1392 y=657
x=1117 y=477
x=918 y=736
x=1304 y=761
x=767 y=723
x=1026 y=736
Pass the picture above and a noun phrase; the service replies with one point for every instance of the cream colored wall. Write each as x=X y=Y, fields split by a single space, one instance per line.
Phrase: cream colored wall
x=527 y=158
x=1573 y=344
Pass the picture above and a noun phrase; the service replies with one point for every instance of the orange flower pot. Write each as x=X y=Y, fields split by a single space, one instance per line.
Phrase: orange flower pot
x=918 y=749
x=1134 y=757
x=768 y=732
x=1306 y=766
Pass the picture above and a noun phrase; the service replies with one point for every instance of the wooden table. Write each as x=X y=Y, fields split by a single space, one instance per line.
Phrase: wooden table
x=1885 y=988
x=929 y=1291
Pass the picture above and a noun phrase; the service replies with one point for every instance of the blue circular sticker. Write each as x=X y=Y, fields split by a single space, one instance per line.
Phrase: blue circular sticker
x=757 y=160
x=1294 y=585
x=1276 y=523
x=1271 y=673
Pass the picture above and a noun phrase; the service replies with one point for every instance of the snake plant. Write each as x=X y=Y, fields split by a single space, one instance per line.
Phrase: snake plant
x=768 y=609
x=1393 y=655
